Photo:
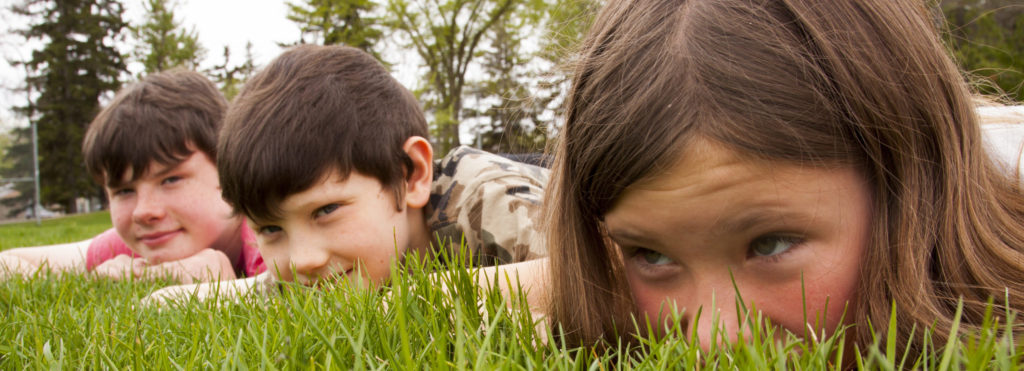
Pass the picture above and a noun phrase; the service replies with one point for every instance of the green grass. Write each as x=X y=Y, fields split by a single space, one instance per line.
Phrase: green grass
x=52 y=231
x=75 y=322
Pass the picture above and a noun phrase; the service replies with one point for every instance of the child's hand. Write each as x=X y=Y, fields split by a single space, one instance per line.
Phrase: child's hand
x=121 y=267
x=205 y=265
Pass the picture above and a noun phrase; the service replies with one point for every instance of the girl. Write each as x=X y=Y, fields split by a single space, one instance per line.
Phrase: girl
x=823 y=160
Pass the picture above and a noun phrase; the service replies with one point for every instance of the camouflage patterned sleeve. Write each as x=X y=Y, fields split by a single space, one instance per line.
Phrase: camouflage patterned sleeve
x=492 y=202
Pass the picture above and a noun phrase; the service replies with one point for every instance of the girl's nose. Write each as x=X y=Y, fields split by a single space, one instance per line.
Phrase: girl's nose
x=713 y=310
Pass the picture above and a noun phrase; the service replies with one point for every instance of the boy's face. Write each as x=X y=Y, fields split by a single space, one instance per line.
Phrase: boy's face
x=339 y=228
x=173 y=212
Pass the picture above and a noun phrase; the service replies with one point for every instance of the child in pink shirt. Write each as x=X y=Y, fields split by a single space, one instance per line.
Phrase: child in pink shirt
x=153 y=149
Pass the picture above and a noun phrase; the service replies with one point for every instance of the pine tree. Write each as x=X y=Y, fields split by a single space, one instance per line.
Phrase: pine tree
x=78 y=64
x=446 y=34
x=163 y=44
x=231 y=77
x=329 y=22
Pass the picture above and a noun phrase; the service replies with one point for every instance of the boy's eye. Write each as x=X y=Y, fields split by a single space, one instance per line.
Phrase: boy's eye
x=325 y=210
x=171 y=179
x=267 y=230
x=653 y=257
x=123 y=192
x=773 y=245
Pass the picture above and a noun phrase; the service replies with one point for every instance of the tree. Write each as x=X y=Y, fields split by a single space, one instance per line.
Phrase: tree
x=163 y=44
x=232 y=77
x=78 y=64
x=330 y=22
x=514 y=124
x=445 y=34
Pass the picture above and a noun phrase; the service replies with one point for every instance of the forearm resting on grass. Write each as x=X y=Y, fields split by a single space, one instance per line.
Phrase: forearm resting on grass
x=528 y=277
x=206 y=265
x=224 y=290
x=26 y=261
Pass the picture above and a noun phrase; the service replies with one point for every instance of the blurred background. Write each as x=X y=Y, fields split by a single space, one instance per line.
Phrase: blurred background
x=489 y=73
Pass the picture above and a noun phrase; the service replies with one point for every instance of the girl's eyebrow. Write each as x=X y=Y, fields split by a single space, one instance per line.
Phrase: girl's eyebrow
x=622 y=235
x=758 y=216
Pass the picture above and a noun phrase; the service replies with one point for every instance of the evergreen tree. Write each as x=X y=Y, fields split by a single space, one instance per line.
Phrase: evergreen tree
x=78 y=64
x=514 y=125
x=231 y=77
x=163 y=44
x=445 y=34
x=329 y=22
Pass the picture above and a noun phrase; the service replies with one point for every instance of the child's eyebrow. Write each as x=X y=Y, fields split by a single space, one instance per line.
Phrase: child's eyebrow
x=760 y=216
x=622 y=235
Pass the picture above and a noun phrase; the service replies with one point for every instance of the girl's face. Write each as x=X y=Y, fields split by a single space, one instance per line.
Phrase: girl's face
x=785 y=235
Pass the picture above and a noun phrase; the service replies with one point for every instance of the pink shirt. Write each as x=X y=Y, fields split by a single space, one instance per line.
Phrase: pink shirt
x=108 y=244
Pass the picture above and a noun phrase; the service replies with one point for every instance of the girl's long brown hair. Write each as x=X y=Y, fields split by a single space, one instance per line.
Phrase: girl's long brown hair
x=862 y=83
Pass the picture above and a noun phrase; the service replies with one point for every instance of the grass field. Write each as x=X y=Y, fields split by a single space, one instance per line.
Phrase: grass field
x=75 y=322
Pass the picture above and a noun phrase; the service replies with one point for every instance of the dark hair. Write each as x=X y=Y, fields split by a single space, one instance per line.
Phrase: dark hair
x=315 y=109
x=859 y=83
x=165 y=117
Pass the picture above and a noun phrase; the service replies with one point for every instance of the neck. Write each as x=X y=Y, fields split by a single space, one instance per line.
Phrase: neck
x=419 y=233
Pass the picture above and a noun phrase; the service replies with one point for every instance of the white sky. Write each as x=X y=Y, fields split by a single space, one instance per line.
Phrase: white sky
x=219 y=23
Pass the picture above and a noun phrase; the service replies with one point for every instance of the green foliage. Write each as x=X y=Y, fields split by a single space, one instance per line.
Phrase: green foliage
x=232 y=77
x=987 y=38
x=78 y=64
x=419 y=321
x=330 y=22
x=53 y=231
x=514 y=123
x=446 y=34
x=162 y=42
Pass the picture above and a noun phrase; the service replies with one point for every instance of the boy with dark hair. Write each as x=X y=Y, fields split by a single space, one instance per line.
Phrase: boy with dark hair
x=327 y=156
x=153 y=149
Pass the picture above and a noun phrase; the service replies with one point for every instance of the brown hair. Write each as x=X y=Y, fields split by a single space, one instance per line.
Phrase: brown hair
x=312 y=110
x=164 y=118
x=861 y=83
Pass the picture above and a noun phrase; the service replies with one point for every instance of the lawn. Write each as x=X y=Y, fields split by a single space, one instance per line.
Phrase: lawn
x=77 y=322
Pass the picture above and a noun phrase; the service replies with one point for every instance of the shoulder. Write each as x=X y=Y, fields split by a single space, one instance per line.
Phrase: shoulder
x=1002 y=129
x=252 y=261
x=466 y=166
x=491 y=201
x=105 y=246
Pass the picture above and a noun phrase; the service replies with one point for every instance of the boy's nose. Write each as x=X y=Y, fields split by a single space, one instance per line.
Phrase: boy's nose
x=310 y=260
x=148 y=208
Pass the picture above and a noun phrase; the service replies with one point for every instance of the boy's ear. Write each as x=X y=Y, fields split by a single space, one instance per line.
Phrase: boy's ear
x=421 y=176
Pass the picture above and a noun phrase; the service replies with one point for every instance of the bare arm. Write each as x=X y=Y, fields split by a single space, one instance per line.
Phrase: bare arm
x=531 y=276
x=206 y=265
x=24 y=261
x=232 y=289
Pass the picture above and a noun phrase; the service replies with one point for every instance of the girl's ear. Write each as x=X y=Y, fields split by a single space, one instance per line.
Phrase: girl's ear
x=421 y=176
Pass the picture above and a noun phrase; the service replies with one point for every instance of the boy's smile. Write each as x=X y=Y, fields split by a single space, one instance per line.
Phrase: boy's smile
x=339 y=226
x=173 y=212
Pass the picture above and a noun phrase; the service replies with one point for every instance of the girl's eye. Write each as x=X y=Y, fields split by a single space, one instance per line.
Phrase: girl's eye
x=269 y=230
x=773 y=245
x=653 y=257
x=325 y=210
